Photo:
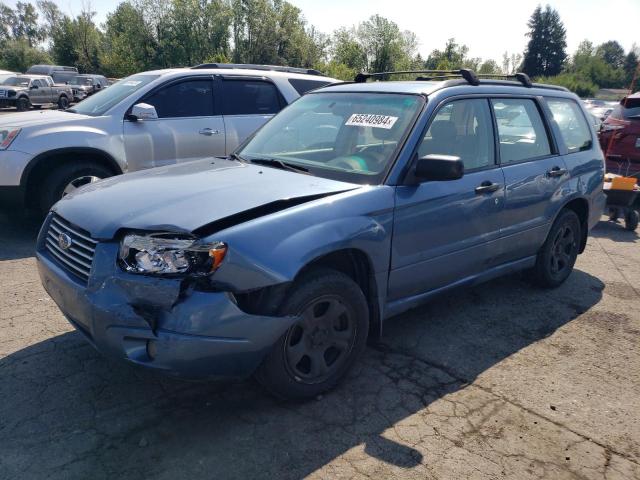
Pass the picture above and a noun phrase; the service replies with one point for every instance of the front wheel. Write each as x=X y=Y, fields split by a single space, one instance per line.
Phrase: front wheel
x=559 y=252
x=23 y=104
x=329 y=335
x=67 y=178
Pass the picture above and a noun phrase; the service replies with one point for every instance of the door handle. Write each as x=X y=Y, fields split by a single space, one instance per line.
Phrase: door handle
x=556 y=172
x=208 y=132
x=487 y=187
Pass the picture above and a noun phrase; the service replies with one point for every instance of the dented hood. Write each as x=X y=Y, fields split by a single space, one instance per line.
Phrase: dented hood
x=188 y=196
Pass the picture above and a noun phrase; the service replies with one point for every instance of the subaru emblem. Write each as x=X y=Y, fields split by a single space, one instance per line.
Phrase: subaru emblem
x=64 y=241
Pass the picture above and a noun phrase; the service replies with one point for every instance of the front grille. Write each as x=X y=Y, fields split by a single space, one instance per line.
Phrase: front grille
x=72 y=247
x=3 y=94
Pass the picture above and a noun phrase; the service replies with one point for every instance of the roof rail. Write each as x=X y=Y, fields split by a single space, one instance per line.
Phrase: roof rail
x=465 y=73
x=469 y=75
x=248 y=66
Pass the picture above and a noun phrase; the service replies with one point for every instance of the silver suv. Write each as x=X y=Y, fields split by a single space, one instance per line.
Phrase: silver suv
x=145 y=120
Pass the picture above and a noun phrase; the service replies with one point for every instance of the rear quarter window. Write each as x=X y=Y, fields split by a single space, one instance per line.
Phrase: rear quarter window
x=573 y=126
x=303 y=86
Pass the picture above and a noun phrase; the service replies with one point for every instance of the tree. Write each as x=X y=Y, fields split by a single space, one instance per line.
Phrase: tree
x=546 y=50
x=382 y=43
x=7 y=23
x=17 y=55
x=489 y=67
x=612 y=53
x=511 y=63
x=346 y=50
x=454 y=56
x=631 y=69
x=52 y=17
x=129 y=46
x=26 y=24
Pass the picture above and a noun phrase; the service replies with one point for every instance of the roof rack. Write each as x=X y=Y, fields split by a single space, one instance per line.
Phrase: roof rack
x=469 y=75
x=248 y=66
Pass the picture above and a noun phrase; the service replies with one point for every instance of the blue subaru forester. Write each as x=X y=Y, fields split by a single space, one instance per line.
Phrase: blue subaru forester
x=357 y=202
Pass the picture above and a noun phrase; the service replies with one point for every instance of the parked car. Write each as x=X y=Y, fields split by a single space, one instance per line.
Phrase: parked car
x=620 y=137
x=96 y=82
x=146 y=120
x=85 y=84
x=357 y=202
x=50 y=69
x=25 y=91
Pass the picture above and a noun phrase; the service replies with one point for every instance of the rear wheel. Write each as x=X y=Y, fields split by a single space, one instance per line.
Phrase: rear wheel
x=330 y=334
x=23 y=104
x=63 y=103
x=67 y=178
x=559 y=252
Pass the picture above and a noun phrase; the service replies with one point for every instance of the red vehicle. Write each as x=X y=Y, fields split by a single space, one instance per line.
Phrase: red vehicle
x=620 y=137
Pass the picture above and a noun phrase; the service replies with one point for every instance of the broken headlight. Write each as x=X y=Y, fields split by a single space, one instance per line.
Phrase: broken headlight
x=168 y=254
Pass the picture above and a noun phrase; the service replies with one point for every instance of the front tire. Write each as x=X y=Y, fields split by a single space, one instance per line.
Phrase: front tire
x=559 y=252
x=320 y=348
x=23 y=104
x=631 y=220
x=67 y=178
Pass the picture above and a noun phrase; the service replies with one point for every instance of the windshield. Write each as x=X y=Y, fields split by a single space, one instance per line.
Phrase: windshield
x=345 y=136
x=82 y=81
x=99 y=103
x=16 y=81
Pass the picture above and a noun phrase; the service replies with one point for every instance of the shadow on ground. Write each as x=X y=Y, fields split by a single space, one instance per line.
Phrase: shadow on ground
x=67 y=412
x=17 y=235
x=615 y=231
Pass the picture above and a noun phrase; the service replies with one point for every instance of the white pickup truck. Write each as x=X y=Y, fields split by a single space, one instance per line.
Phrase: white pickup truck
x=25 y=91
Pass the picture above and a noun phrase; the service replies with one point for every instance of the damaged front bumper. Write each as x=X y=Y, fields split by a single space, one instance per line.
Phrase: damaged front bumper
x=154 y=323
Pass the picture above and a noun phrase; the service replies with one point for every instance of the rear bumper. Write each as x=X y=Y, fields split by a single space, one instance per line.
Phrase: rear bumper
x=154 y=323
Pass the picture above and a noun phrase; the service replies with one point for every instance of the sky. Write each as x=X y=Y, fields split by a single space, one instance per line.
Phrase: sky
x=487 y=27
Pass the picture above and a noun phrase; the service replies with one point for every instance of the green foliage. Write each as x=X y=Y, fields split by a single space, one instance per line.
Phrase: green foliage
x=18 y=55
x=580 y=86
x=545 y=53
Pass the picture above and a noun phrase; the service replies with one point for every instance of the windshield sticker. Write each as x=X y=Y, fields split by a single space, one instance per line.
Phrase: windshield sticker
x=131 y=83
x=369 y=120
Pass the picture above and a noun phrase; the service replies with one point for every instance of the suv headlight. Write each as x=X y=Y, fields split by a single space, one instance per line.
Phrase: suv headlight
x=7 y=135
x=169 y=254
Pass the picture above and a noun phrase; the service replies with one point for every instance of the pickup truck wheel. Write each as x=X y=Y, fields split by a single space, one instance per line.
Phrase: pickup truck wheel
x=558 y=255
x=63 y=103
x=330 y=334
x=23 y=104
x=68 y=178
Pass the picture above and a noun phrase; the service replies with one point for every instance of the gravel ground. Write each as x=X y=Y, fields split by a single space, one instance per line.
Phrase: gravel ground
x=499 y=381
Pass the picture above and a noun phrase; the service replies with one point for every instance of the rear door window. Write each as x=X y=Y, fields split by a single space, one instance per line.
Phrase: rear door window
x=250 y=97
x=190 y=98
x=521 y=131
x=573 y=127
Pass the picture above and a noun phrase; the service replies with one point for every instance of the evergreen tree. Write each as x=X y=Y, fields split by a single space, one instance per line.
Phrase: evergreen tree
x=546 y=50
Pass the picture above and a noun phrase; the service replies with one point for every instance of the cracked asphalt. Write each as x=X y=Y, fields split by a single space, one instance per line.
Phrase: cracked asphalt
x=498 y=381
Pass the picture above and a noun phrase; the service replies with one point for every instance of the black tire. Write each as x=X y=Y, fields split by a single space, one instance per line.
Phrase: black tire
x=559 y=252
x=23 y=104
x=631 y=220
x=335 y=342
x=63 y=102
x=55 y=183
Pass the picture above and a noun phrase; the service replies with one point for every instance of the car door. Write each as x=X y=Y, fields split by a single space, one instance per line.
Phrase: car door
x=534 y=173
x=247 y=104
x=187 y=128
x=447 y=231
x=38 y=92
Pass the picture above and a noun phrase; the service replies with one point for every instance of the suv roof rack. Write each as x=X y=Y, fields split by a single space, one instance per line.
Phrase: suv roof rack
x=469 y=75
x=248 y=66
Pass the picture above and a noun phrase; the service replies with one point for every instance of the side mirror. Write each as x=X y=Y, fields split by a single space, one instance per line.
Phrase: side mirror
x=33 y=87
x=439 y=168
x=142 y=111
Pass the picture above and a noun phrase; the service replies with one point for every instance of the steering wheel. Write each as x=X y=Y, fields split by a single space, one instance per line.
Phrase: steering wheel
x=354 y=162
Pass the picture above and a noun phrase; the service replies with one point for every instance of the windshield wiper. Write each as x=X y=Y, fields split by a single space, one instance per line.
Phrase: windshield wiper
x=235 y=156
x=274 y=162
x=70 y=110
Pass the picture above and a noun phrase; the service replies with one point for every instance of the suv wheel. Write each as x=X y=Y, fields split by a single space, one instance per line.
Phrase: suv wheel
x=68 y=178
x=318 y=350
x=23 y=104
x=63 y=103
x=558 y=255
